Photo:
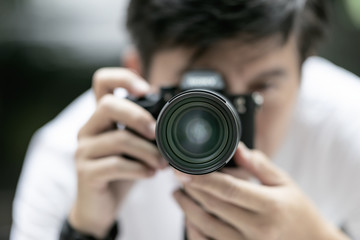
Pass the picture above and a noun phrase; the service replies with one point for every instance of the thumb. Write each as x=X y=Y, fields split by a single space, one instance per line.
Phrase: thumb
x=259 y=165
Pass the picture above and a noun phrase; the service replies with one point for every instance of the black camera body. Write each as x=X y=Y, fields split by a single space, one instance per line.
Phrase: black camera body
x=210 y=86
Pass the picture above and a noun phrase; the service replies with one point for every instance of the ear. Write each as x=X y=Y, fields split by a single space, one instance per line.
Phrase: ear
x=131 y=60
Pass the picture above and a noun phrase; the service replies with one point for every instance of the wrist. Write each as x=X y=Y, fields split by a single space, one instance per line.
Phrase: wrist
x=98 y=228
x=68 y=232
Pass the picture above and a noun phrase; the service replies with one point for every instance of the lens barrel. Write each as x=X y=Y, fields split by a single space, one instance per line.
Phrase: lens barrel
x=197 y=131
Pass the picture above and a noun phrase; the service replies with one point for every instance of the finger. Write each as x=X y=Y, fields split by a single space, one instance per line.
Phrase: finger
x=100 y=173
x=212 y=227
x=228 y=188
x=193 y=233
x=242 y=219
x=237 y=172
x=105 y=80
x=113 y=110
x=260 y=166
x=121 y=142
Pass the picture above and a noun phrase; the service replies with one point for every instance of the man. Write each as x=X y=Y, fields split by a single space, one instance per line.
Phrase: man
x=306 y=161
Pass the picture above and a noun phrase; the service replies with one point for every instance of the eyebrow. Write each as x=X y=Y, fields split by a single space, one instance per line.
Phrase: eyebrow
x=278 y=72
x=264 y=76
x=273 y=73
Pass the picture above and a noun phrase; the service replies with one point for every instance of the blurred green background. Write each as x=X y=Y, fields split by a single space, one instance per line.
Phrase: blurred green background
x=50 y=49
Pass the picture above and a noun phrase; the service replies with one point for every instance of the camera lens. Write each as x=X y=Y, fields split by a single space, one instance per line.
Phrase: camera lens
x=198 y=131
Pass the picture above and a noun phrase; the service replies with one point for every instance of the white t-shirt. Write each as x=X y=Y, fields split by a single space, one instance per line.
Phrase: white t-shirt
x=321 y=152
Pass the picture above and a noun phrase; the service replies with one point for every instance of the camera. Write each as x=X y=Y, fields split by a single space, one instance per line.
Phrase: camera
x=198 y=125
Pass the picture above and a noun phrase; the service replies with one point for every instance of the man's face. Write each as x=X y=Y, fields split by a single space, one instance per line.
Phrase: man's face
x=266 y=67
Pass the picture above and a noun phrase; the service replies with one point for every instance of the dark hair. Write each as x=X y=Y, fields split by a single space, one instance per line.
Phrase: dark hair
x=160 y=24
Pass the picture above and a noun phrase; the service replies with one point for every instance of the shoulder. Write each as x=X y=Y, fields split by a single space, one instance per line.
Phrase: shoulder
x=62 y=131
x=328 y=97
x=332 y=86
x=47 y=183
x=324 y=133
x=51 y=150
x=326 y=126
x=321 y=150
x=327 y=106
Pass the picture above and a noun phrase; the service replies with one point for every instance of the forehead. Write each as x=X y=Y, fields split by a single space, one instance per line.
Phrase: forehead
x=230 y=57
x=239 y=52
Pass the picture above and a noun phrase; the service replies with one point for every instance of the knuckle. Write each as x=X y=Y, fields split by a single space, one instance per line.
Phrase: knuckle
x=115 y=163
x=138 y=117
x=273 y=205
x=81 y=133
x=106 y=102
x=258 y=155
x=99 y=76
x=268 y=231
x=82 y=171
x=141 y=118
x=211 y=204
x=119 y=164
x=212 y=226
x=231 y=190
x=122 y=137
x=264 y=228
x=124 y=141
x=80 y=150
x=208 y=219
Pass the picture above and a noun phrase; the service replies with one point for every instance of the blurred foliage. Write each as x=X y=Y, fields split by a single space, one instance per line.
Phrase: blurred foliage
x=341 y=46
x=353 y=8
x=36 y=84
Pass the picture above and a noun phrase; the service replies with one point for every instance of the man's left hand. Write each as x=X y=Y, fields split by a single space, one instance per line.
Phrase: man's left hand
x=224 y=206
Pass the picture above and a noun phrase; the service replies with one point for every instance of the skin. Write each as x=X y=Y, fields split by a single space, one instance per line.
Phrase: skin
x=273 y=73
x=224 y=206
x=220 y=205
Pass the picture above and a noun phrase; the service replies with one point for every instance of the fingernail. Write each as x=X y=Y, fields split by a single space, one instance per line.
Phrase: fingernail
x=163 y=163
x=151 y=129
x=141 y=86
x=176 y=194
x=184 y=178
x=151 y=172
x=189 y=226
x=244 y=151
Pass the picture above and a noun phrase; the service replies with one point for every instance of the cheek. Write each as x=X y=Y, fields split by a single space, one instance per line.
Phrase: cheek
x=273 y=118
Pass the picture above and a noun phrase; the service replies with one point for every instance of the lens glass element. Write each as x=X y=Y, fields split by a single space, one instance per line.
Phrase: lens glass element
x=197 y=132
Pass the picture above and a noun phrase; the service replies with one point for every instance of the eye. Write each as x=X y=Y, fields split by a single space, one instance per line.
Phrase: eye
x=262 y=86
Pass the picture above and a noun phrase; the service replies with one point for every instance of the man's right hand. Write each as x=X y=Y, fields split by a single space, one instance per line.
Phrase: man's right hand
x=105 y=176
